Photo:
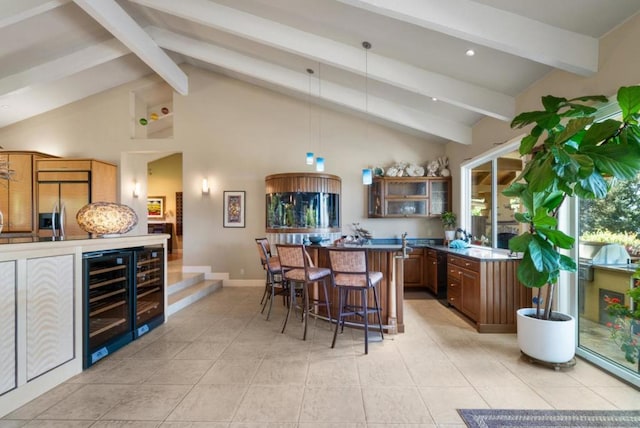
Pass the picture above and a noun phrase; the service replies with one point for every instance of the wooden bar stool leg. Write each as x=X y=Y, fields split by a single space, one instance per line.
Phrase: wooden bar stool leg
x=375 y=299
x=340 y=305
x=292 y=300
x=365 y=305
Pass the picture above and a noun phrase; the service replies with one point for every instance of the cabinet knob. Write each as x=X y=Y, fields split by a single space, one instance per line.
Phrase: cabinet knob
x=467 y=264
x=452 y=285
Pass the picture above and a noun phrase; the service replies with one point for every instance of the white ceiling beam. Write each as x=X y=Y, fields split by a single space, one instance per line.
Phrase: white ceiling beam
x=12 y=12
x=111 y=16
x=63 y=66
x=299 y=81
x=496 y=29
x=346 y=57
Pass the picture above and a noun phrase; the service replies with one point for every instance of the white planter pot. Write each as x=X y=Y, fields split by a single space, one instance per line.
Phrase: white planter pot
x=450 y=235
x=550 y=341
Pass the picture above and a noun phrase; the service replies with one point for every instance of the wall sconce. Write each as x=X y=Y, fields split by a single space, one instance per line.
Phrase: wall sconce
x=136 y=189
x=205 y=186
x=319 y=164
x=367 y=176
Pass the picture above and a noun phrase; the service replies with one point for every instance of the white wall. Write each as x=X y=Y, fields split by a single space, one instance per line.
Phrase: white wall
x=235 y=134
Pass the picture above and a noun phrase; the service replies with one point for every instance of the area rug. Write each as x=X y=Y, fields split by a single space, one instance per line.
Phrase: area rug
x=496 y=418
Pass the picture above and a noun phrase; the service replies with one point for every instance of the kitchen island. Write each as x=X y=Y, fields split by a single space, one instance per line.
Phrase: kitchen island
x=385 y=258
x=41 y=310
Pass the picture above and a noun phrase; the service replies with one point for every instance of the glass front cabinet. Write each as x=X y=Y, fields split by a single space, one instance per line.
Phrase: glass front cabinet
x=409 y=196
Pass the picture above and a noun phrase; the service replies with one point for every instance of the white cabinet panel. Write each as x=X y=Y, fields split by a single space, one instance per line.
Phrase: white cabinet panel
x=7 y=326
x=50 y=314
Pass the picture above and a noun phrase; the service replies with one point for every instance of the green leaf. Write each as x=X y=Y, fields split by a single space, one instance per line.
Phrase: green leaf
x=589 y=98
x=586 y=165
x=544 y=175
x=514 y=190
x=592 y=187
x=553 y=200
x=529 y=275
x=520 y=243
x=629 y=101
x=543 y=255
x=567 y=263
x=529 y=117
x=573 y=127
x=557 y=237
x=527 y=144
x=600 y=131
x=543 y=219
x=620 y=160
x=522 y=217
x=551 y=103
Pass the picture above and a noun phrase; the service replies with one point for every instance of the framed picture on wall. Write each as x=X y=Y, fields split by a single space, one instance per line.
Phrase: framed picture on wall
x=234 y=208
x=155 y=207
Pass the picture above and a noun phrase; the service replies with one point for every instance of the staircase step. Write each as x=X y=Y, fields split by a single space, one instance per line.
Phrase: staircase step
x=180 y=280
x=191 y=294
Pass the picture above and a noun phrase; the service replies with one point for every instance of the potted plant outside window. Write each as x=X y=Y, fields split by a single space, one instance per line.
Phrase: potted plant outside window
x=449 y=221
x=571 y=155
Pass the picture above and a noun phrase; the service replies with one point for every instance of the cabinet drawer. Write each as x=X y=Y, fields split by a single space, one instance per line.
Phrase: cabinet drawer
x=464 y=263
x=454 y=272
x=432 y=253
x=453 y=292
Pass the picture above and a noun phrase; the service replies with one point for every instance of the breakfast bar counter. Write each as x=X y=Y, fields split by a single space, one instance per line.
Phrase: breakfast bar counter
x=385 y=258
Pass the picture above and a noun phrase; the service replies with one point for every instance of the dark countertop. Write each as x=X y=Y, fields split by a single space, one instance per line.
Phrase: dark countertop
x=395 y=244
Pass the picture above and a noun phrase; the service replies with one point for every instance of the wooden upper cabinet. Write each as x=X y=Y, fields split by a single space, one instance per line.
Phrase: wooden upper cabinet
x=17 y=196
x=409 y=196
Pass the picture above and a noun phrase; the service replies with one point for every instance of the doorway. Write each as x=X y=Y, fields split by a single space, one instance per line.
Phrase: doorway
x=164 y=185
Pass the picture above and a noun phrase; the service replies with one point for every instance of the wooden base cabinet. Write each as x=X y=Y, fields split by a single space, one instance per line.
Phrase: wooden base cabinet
x=435 y=266
x=486 y=291
x=414 y=269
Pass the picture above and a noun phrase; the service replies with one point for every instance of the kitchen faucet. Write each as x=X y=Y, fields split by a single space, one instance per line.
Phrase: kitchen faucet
x=405 y=249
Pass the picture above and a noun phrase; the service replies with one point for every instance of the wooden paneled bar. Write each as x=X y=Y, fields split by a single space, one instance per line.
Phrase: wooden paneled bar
x=385 y=259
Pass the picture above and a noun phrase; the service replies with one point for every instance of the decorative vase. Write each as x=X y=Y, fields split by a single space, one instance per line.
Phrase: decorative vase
x=552 y=341
x=449 y=235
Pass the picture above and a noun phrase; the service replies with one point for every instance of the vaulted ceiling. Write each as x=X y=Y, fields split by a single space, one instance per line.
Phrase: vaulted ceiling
x=416 y=76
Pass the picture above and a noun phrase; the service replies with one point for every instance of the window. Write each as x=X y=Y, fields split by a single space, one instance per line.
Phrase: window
x=487 y=214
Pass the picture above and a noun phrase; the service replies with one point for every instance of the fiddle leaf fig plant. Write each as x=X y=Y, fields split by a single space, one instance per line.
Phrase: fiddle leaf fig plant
x=570 y=155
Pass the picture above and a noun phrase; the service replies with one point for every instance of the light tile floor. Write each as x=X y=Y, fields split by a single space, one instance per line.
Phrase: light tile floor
x=218 y=363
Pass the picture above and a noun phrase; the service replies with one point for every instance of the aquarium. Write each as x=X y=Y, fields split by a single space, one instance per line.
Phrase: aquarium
x=302 y=212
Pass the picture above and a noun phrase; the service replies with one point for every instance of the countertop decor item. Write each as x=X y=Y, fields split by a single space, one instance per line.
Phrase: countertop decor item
x=106 y=218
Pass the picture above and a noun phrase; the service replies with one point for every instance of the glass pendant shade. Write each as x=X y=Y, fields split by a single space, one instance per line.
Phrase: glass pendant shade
x=367 y=176
x=309 y=158
x=319 y=164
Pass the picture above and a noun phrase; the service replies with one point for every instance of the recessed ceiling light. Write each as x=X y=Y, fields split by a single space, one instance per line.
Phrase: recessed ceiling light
x=434 y=99
x=470 y=52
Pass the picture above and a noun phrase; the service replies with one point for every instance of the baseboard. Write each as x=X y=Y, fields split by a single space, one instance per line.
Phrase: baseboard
x=243 y=283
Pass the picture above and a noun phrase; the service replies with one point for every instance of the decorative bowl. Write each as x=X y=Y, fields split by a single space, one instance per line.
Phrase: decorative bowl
x=315 y=239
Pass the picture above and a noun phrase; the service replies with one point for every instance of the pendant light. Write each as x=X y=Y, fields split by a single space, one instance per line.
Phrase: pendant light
x=367 y=173
x=319 y=160
x=309 y=157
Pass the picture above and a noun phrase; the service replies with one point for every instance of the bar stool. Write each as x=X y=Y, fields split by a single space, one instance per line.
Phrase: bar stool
x=298 y=268
x=350 y=273
x=274 y=285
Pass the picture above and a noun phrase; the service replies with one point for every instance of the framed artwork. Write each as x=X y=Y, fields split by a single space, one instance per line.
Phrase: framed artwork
x=234 y=208
x=155 y=207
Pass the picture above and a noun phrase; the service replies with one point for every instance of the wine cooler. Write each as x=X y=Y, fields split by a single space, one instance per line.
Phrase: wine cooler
x=149 y=289
x=123 y=298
